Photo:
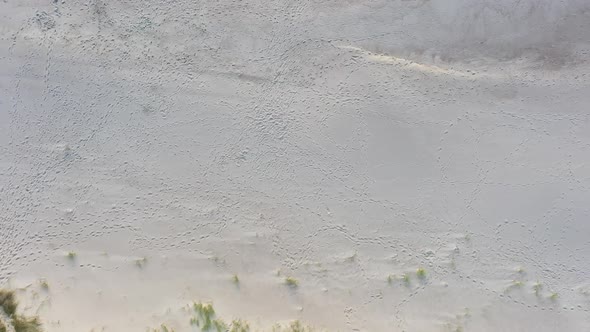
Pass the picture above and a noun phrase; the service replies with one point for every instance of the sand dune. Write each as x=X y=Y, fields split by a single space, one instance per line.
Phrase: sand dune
x=407 y=165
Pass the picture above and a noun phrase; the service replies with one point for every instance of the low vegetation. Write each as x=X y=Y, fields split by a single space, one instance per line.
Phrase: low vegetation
x=517 y=283
x=204 y=319
x=421 y=273
x=19 y=323
x=162 y=328
x=295 y=326
x=239 y=325
x=291 y=282
x=141 y=262
x=44 y=284
x=404 y=278
x=537 y=287
x=205 y=315
x=235 y=279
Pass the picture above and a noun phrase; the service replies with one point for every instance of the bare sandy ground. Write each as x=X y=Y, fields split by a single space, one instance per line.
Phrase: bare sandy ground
x=172 y=145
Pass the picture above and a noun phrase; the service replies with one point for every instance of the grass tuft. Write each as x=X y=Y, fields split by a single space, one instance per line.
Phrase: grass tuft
x=219 y=325
x=164 y=328
x=406 y=278
x=140 y=263
x=235 y=279
x=291 y=282
x=205 y=315
x=26 y=324
x=537 y=287
x=421 y=273
x=71 y=255
x=239 y=325
x=295 y=326
x=20 y=323
x=8 y=302
x=390 y=279
x=44 y=285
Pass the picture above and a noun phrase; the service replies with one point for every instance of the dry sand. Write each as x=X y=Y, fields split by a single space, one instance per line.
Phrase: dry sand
x=170 y=145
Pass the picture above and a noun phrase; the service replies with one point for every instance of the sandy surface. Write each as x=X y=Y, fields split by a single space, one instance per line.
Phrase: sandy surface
x=173 y=144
